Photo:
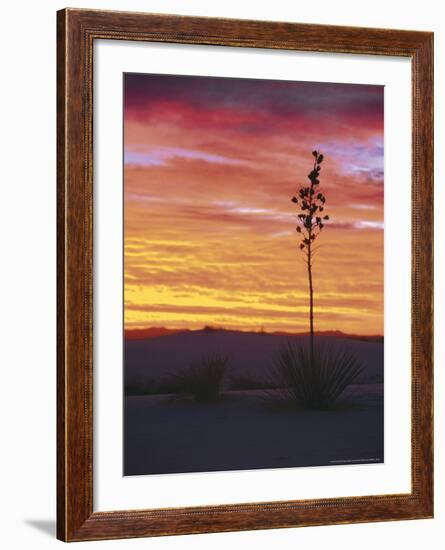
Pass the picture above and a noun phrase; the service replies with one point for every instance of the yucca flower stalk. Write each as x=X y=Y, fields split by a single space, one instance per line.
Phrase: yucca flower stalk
x=311 y=220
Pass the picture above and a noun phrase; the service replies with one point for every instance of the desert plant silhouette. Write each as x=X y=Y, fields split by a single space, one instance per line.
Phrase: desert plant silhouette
x=202 y=380
x=311 y=218
x=313 y=378
x=314 y=381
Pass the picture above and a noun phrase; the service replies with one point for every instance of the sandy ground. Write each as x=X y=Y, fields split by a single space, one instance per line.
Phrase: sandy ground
x=171 y=435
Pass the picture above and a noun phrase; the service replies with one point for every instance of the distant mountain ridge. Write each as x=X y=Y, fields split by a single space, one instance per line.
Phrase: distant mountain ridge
x=152 y=332
x=156 y=332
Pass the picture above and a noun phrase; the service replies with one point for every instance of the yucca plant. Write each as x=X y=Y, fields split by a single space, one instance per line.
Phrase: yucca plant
x=311 y=219
x=203 y=380
x=313 y=378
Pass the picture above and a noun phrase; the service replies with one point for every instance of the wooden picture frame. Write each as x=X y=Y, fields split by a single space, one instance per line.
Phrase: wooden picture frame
x=77 y=31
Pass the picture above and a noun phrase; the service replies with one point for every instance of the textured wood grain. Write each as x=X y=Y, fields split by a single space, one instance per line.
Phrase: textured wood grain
x=77 y=30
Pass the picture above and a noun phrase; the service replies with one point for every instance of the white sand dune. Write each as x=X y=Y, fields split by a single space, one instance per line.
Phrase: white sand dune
x=165 y=435
x=170 y=435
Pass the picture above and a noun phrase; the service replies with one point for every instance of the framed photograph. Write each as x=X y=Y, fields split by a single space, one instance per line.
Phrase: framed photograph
x=245 y=230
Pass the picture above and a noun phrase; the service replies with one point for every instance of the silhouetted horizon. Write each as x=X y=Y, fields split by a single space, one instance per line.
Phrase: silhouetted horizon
x=158 y=331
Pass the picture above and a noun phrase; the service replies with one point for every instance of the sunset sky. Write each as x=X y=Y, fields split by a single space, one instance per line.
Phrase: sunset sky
x=210 y=167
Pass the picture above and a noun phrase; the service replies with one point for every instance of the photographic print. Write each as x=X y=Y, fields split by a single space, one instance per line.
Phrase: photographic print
x=253 y=274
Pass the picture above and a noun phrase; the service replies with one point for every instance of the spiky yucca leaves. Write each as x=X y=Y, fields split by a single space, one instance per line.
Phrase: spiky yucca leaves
x=202 y=380
x=315 y=382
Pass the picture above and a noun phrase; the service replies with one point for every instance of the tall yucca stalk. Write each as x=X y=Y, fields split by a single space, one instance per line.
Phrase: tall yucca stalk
x=311 y=205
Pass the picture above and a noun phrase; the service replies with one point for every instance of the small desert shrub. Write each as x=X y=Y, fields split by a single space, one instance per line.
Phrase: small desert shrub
x=317 y=384
x=202 y=380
